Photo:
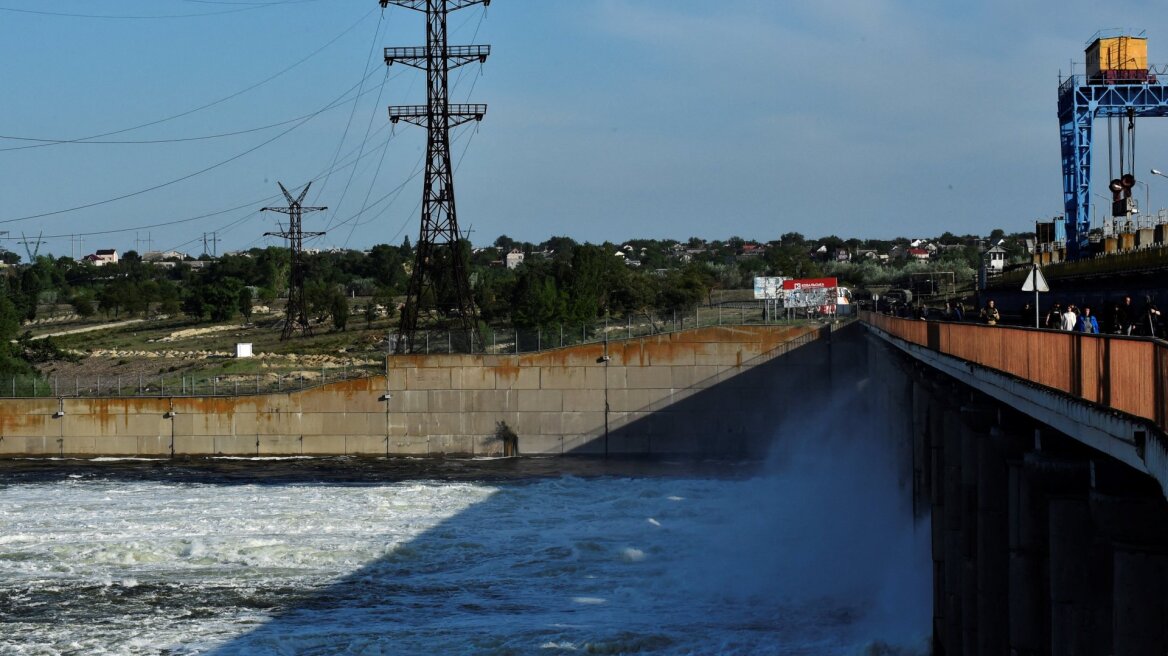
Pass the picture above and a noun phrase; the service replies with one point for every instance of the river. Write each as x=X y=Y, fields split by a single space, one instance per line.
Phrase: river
x=799 y=555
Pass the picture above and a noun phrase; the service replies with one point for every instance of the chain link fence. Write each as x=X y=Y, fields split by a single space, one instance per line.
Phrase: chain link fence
x=500 y=340
x=496 y=340
x=172 y=385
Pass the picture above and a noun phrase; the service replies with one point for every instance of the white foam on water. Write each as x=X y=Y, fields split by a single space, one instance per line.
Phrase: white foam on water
x=563 y=564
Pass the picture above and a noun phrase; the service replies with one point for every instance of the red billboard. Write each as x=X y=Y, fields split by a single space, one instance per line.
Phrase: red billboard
x=810 y=283
x=819 y=293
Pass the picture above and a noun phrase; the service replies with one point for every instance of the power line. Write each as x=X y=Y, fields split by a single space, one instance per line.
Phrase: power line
x=353 y=111
x=225 y=98
x=364 y=141
x=175 y=180
x=172 y=140
x=251 y=203
x=249 y=7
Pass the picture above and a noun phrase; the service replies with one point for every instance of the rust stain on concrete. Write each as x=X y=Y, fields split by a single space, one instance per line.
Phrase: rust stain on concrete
x=107 y=411
x=508 y=371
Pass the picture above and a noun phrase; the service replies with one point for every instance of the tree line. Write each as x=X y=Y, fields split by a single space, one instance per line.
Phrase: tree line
x=559 y=282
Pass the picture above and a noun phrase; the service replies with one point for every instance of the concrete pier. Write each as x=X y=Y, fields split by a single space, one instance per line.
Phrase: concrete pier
x=1041 y=545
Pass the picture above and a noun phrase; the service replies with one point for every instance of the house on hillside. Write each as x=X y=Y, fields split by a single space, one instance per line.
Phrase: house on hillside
x=102 y=257
x=161 y=256
x=514 y=258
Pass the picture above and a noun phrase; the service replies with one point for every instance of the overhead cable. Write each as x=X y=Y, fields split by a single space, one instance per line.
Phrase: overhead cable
x=181 y=178
x=222 y=100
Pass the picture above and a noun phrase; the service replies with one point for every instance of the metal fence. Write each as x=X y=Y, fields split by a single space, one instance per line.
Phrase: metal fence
x=501 y=340
x=496 y=340
x=171 y=385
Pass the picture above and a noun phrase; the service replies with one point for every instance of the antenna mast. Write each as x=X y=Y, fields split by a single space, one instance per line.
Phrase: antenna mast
x=296 y=312
x=440 y=273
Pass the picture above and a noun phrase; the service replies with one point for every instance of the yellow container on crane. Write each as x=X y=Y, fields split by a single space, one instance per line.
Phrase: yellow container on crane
x=1117 y=58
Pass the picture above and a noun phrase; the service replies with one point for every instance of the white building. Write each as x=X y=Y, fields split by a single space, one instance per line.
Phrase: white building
x=159 y=256
x=995 y=260
x=514 y=258
x=103 y=257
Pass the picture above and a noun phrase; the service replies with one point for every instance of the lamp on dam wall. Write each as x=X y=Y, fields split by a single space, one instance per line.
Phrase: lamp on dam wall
x=605 y=359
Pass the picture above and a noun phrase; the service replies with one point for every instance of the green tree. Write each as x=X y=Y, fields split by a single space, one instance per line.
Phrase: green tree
x=340 y=311
x=537 y=300
x=168 y=298
x=244 y=303
x=31 y=284
x=587 y=289
x=10 y=360
x=83 y=305
x=221 y=297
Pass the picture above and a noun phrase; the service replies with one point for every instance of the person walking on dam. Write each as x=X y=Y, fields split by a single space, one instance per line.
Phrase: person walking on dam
x=1124 y=314
x=1054 y=318
x=1087 y=322
x=989 y=314
x=1149 y=319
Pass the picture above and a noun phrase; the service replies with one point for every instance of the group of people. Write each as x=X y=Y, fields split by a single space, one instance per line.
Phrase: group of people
x=1072 y=317
x=1120 y=318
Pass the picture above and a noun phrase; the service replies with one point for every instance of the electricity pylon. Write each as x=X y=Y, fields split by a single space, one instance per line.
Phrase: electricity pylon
x=296 y=312
x=440 y=273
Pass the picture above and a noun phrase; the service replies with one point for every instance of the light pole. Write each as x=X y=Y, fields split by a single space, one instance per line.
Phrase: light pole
x=1159 y=173
x=1147 y=194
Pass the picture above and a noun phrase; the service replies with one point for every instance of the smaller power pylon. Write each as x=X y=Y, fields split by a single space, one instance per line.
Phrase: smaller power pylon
x=296 y=312
x=32 y=246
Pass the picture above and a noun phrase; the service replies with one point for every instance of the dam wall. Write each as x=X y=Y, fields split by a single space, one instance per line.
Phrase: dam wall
x=1042 y=541
x=702 y=392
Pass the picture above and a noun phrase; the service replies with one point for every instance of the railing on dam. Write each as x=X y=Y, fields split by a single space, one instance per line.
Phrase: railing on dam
x=177 y=385
x=499 y=342
x=1125 y=374
x=512 y=340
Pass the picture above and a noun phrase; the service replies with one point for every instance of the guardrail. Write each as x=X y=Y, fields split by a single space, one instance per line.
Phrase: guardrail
x=1125 y=374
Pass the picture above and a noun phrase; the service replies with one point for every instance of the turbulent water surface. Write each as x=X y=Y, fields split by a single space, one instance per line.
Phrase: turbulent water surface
x=512 y=556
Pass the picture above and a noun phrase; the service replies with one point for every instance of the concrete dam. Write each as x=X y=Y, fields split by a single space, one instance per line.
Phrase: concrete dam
x=1039 y=459
x=696 y=392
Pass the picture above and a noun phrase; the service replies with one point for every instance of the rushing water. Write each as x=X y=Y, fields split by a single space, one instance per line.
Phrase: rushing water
x=341 y=556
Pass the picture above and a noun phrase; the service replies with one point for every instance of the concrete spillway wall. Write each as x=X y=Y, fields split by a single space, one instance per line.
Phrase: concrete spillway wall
x=700 y=391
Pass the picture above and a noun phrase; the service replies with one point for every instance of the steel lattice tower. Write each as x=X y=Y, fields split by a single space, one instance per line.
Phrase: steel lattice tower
x=438 y=255
x=296 y=312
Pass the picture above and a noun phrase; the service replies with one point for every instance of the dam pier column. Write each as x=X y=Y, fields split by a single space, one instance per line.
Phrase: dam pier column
x=1080 y=586
x=1130 y=514
x=951 y=557
x=967 y=478
x=1028 y=605
x=993 y=556
x=1140 y=595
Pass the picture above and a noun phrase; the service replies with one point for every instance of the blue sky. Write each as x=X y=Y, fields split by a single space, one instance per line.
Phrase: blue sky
x=608 y=119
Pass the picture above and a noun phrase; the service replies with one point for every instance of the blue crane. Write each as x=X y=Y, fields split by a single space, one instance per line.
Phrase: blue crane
x=1114 y=86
